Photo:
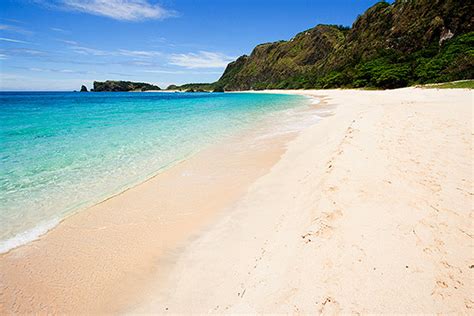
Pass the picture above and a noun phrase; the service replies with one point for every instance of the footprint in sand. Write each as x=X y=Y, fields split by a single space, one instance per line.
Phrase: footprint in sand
x=329 y=306
x=323 y=226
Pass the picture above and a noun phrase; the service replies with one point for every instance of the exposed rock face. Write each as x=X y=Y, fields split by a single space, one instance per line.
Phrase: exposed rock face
x=390 y=45
x=83 y=88
x=445 y=35
x=122 y=86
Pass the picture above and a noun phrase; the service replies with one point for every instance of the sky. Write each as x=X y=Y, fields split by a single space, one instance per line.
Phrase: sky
x=61 y=44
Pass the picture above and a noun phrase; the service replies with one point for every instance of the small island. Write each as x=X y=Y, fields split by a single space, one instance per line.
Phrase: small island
x=197 y=87
x=129 y=86
x=122 y=86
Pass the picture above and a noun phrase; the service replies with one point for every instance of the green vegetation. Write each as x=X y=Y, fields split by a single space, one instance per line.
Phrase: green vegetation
x=463 y=84
x=122 y=86
x=172 y=87
x=218 y=88
x=198 y=87
x=389 y=46
x=194 y=87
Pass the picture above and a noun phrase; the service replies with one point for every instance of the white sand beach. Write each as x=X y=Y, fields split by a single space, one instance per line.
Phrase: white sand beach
x=369 y=210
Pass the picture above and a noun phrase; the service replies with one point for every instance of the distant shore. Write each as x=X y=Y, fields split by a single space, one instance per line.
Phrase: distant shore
x=367 y=210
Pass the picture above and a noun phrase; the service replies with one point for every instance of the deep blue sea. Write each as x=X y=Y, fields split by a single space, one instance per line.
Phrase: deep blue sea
x=63 y=151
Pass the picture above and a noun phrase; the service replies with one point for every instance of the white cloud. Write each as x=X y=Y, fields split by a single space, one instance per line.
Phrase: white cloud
x=14 y=29
x=69 y=42
x=89 y=51
x=57 y=29
x=201 y=59
x=11 y=40
x=25 y=52
x=74 y=46
x=138 y=53
x=64 y=71
x=178 y=72
x=3 y=56
x=141 y=63
x=125 y=10
x=13 y=20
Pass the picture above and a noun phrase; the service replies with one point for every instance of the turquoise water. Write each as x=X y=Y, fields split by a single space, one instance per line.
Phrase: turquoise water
x=61 y=151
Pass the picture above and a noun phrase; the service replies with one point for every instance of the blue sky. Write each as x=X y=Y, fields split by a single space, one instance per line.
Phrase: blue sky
x=62 y=44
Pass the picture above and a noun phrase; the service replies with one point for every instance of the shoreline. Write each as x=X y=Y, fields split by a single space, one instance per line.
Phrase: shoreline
x=44 y=227
x=173 y=187
x=366 y=211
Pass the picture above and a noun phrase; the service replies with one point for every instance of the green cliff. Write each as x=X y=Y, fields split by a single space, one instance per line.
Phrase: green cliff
x=389 y=46
x=193 y=87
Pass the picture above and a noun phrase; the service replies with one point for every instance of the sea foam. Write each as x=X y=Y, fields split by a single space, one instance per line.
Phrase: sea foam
x=27 y=236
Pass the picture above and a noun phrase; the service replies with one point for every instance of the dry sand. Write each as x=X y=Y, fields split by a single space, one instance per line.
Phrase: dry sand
x=368 y=211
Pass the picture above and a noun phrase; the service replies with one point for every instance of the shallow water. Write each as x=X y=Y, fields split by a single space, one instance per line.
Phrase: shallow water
x=62 y=151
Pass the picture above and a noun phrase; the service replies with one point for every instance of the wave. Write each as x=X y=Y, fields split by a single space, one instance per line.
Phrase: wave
x=27 y=236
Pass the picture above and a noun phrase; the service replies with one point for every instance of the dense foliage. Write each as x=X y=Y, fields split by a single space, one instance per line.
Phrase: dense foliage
x=198 y=87
x=389 y=46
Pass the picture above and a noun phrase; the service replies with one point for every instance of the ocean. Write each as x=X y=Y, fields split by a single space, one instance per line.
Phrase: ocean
x=63 y=151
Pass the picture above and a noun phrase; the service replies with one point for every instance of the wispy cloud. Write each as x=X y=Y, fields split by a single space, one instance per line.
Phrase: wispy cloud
x=83 y=50
x=122 y=74
x=12 y=20
x=180 y=72
x=141 y=63
x=57 y=29
x=139 y=53
x=15 y=29
x=55 y=70
x=69 y=42
x=3 y=56
x=24 y=52
x=11 y=40
x=36 y=69
x=125 y=10
x=159 y=39
x=202 y=59
x=159 y=71
x=68 y=71
x=89 y=51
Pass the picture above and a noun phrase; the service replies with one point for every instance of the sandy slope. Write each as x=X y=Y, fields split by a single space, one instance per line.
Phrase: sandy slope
x=369 y=210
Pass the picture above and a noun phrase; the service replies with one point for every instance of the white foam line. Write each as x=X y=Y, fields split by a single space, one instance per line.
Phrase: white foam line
x=315 y=100
x=27 y=236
